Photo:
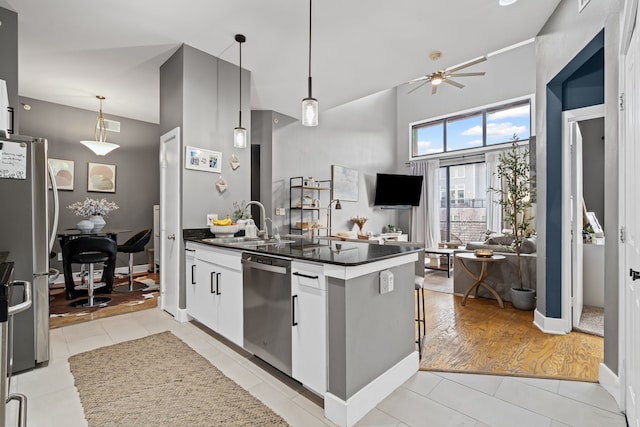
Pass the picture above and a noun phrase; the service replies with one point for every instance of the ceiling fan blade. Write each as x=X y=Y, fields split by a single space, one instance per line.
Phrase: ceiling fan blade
x=467 y=64
x=434 y=89
x=456 y=84
x=419 y=79
x=417 y=87
x=481 y=73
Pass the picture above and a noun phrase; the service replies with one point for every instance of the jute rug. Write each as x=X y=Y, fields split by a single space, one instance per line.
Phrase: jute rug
x=482 y=338
x=160 y=381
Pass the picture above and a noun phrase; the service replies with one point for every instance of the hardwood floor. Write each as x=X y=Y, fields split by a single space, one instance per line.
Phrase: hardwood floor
x=62 y=314
x=483 y=338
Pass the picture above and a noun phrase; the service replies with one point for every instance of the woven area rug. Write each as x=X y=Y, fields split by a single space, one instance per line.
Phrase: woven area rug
x=175 y=386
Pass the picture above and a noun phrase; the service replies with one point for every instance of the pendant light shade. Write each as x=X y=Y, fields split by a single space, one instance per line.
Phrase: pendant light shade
x=100 y=146
x=240 y=133
x=309 y=104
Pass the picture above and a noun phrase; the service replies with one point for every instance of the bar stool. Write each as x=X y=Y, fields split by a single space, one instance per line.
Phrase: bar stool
x=90 y=250
x=133 y=245
x=419 y=287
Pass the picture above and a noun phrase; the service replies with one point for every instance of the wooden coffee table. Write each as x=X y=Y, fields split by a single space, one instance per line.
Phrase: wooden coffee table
x=487 y=265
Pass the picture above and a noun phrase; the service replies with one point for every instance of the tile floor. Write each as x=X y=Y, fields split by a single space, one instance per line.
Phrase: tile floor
x=427 y=399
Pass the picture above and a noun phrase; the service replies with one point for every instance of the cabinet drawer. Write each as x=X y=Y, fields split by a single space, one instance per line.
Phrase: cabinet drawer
x=227 y=258
x=307 y=274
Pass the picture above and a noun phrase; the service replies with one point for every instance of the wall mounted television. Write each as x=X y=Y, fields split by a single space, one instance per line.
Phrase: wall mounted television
x=398 y=191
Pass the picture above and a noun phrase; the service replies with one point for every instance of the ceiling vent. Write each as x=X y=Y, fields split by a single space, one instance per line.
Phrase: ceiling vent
x=112 y=125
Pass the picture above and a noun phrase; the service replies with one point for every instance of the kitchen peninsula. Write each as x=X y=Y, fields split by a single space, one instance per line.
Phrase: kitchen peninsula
x=347 y=307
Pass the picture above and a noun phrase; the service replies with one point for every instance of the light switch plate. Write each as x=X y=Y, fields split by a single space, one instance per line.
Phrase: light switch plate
x=280 y=211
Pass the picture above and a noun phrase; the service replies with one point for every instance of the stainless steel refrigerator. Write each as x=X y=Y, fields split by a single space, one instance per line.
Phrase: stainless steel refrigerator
x=26 y=234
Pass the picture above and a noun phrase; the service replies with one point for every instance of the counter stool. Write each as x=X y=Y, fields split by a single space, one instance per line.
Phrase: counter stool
x=89 y=250
x=419 y=287
x=133 y=245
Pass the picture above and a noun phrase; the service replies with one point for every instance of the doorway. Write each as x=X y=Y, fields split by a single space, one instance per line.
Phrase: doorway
x=584 y=243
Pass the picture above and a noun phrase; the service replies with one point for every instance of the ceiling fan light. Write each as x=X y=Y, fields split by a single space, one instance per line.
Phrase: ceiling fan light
x=436 y=81
x=309 y=112
x=240 y=137
x=506 y=2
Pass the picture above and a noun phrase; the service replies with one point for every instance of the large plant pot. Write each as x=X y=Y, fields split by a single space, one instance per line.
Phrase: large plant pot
x=523 y=299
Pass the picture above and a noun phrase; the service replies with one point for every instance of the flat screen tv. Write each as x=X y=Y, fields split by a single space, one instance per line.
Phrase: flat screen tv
x=398 y=191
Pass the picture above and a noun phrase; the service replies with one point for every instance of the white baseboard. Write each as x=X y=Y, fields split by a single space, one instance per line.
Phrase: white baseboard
x=611 y=382
x=550 y=325
x=182 y=316
x=346 y=414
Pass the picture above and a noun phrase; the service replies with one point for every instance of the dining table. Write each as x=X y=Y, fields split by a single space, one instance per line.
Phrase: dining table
x=108 y=272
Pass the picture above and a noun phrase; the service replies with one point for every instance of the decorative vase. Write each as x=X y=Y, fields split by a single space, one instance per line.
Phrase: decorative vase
x=85 y=225
x=98 y=222
x=523 y=298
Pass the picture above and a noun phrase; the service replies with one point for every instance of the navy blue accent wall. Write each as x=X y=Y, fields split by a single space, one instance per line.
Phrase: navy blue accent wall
x=579 y=84
x=585 y=87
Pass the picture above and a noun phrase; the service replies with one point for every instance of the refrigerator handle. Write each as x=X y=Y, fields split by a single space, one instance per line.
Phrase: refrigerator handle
x=56 y=207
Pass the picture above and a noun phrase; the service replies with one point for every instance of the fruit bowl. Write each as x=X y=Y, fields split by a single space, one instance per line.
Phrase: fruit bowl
x=224 y=230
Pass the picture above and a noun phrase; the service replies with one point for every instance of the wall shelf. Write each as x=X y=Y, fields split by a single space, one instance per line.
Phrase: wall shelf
x=306 y=203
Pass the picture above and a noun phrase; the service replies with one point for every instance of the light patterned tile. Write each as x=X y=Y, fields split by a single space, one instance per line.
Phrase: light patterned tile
x=90 y=343
x=422 y=382
x=416 y=410
x=62 y=408
x=377 y=418
x=591 y=393
x=485 y=383
x=559 y=408
x=543 y=383
x=485 y=408
x=283 y=406
x=51 y=379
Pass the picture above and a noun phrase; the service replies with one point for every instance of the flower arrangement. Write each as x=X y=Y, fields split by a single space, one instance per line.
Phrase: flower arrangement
x=93 y=207
x=359 y=221
x=239 y=211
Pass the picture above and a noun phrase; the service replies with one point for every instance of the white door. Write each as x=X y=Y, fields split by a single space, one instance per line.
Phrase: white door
x=577 y=222
x=170 y=237
x=631 y=294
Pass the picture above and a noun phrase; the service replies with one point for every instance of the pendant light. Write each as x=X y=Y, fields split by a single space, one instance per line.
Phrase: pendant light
x=100 y=146
x=240 y=133
x=309 y=104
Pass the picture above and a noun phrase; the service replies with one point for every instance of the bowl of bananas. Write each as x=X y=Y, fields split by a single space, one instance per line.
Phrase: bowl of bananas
x=223 y=227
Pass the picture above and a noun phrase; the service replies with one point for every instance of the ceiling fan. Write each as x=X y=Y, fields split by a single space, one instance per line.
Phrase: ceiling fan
x=445 y=75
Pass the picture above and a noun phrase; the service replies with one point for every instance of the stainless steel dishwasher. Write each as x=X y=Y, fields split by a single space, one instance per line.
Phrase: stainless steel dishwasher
x=267 y=309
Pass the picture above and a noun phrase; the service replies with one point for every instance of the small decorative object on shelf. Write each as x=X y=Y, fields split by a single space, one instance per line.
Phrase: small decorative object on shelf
x=483 y=253
x=359 y=221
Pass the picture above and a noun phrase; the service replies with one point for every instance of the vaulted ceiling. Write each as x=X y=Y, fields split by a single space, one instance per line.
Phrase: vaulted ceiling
x=72 y=50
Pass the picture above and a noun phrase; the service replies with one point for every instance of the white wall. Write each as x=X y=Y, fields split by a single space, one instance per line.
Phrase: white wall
x=359 y=135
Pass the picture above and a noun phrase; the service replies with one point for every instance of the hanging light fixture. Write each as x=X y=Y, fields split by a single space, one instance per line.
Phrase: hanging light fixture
x=309 y=104
x=240 y=133
x=100 y=146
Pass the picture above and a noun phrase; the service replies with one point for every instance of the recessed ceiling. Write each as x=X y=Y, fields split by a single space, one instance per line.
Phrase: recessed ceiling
x=72 y=50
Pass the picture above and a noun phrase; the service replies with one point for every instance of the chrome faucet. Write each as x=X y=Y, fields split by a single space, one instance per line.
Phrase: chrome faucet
x=263 y=230
x=275 y=235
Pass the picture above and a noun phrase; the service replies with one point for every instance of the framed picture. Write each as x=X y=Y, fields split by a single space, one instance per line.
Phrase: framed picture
x=101 y=178
x=203 y=160
x=345 y=183
x=63 y=171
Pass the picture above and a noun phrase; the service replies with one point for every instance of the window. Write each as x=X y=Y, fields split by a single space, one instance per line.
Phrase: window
x=463 y=209
x=428 y=139
x=489 y=126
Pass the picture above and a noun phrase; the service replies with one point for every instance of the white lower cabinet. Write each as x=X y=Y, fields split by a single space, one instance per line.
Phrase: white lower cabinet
x=215 y=299
x=309 y=330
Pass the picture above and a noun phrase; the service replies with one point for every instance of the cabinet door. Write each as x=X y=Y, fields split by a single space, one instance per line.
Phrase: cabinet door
x=190 y=280
x=229 y=304
x=309 y=330
x=204 y=306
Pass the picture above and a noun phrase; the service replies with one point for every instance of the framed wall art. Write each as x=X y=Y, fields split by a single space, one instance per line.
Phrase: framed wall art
x=345 y=183
x=101 y=178
x=64 y=173
x=203 y=160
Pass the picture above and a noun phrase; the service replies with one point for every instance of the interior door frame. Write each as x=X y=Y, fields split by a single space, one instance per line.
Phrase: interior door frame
x=570 y=119
x=166 y=259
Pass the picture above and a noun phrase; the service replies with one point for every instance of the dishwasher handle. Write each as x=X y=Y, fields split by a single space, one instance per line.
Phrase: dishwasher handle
x=265 y=267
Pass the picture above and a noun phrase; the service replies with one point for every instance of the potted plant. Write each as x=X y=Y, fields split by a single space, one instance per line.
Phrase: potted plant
x=515 y=199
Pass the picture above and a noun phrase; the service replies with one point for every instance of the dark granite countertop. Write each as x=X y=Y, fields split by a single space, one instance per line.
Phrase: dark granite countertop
x=316 y=250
